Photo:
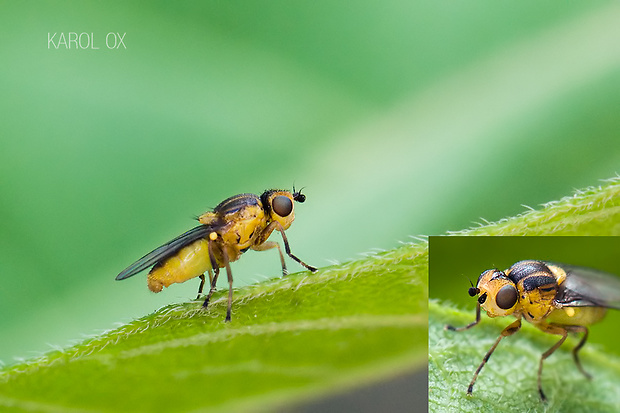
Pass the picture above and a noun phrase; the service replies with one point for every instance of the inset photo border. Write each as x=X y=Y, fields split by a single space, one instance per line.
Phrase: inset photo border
x=455 y=263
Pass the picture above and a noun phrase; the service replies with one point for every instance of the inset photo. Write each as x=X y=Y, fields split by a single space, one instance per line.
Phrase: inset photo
x=524 y=323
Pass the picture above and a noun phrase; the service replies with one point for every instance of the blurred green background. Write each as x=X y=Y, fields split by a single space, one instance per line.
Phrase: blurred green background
x=399 y=118
x=455 y=261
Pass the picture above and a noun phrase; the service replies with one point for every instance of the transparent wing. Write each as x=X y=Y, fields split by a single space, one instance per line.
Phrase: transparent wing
x=587 y=287
x=165 y=251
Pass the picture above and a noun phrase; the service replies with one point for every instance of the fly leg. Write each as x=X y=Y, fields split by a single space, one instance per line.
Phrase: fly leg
x=230 y=284
x=262 y=244
x=468 y=326
x=269 y=245
x=508 y=331
x=216 y=270
x=290 y=254
x=584 y=330
x=212 y=289
x=202 y=283
x=552 y=329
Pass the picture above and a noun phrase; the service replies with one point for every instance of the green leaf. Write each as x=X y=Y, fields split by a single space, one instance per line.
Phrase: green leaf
x=508 y=381
x=290 y=339
x=589 y=212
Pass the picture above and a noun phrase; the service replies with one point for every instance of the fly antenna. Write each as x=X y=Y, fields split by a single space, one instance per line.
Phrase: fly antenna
x=298 y=196
x=473 y=290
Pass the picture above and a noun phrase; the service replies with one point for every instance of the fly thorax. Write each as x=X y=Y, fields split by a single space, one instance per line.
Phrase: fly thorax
x=208 y=218
x=247 y=226
x=537 y=293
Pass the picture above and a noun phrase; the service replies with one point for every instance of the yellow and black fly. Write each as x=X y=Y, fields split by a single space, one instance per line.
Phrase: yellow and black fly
x=556 y=298
x=237 y=224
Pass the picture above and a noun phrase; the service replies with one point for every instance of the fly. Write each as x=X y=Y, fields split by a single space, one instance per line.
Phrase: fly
x=237 y=224
x=556 y=298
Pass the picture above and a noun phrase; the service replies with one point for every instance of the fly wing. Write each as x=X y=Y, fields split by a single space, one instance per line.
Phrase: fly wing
x=165 y=251
x=586 y=287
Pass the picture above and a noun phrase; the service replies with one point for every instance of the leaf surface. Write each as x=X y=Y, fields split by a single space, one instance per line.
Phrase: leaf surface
x=290 y=339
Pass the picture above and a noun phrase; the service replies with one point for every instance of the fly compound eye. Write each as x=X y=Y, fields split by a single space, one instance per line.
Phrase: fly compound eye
x=506 y=297
x=282 y=205
x=482 y=298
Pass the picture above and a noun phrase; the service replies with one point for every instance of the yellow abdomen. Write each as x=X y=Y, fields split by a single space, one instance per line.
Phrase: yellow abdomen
x=576 y=316
x=191 y=261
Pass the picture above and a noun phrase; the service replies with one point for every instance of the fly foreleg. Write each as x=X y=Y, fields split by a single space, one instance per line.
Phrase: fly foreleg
x=287 y=248
x=269 y=245
x=468 y=326
x=508 y=331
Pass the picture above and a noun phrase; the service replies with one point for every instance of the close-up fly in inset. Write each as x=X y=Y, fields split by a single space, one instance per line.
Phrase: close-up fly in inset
x=556 y=298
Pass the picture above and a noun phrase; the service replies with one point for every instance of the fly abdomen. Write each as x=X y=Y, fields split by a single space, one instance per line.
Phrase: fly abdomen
x=191 y=261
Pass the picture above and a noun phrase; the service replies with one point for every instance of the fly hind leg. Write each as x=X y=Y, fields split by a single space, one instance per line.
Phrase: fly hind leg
x=202 y=283
x=230 y=284
x=216 y=270
x=212 y=289
x=561 y=331
x=212 y=278
x=584 y=330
